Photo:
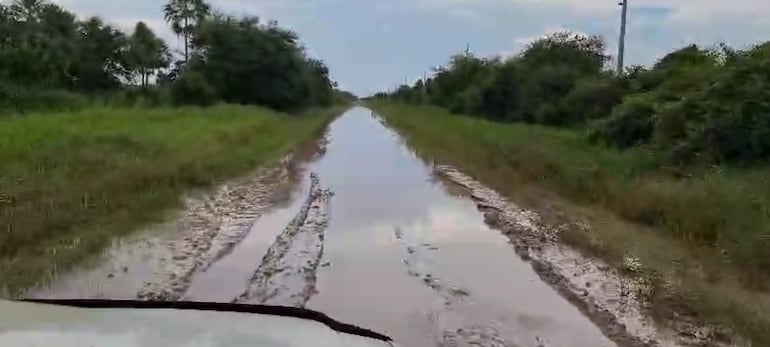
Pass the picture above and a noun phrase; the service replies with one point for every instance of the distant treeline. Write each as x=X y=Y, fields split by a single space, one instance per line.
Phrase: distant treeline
x=50 y=59
x=695 y=105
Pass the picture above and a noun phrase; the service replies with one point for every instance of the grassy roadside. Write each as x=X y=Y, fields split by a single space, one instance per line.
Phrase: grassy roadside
x=70 y=182
x=724 y=283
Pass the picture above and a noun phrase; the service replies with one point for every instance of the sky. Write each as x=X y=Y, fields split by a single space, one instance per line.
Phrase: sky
x=374 y=45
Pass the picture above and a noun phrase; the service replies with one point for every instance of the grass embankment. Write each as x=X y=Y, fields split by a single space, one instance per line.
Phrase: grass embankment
x=71 y=182
x=662 y=216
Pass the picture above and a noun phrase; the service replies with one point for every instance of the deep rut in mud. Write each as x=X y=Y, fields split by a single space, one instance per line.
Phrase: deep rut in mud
x=287 y=275
x=418 y=252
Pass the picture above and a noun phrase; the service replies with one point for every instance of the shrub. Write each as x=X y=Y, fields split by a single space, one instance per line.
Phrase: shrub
x=548 y=113
x=468 y=101
x=671 y=126
x=547 y=85
x=737 y=111
x=151 y=96
x=631 y=122
x=192 y=89
x=726 y=120
x=500 y=95
x=593 y=98
x=19 y=99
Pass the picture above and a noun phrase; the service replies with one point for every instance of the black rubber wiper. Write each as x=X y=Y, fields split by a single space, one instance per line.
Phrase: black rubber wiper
x=280 y=311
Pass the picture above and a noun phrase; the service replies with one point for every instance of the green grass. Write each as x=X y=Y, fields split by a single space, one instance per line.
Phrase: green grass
x=707 y=236
x=71 y=182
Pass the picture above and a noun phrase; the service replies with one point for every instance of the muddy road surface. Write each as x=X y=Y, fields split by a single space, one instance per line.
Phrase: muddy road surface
x=366 y=232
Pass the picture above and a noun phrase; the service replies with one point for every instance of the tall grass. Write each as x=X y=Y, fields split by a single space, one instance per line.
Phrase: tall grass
x=70 y=182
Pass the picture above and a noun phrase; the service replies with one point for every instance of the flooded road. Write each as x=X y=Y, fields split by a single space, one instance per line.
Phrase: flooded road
x=395 y=224
x=376 y=239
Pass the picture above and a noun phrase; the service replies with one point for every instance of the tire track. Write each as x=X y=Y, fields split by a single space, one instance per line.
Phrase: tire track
x=287 y=274
x=212 y=227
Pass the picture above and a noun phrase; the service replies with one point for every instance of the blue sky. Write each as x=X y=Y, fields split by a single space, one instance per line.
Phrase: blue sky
x=372 y=45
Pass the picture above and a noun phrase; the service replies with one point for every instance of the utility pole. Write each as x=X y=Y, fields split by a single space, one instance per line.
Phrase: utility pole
x=467 y=49
x=622 y=43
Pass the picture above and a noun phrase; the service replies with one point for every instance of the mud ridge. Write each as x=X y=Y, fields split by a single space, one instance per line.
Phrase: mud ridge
x=212 y=227
x=608 y=298
x=287 y=274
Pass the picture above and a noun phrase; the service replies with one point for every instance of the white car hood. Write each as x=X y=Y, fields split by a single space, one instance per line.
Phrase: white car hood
x=32 y=324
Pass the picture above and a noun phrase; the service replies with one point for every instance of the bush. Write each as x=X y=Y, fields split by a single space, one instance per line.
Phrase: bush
x=737 y=112
x=549 y=113
x=593 y=98
x=192 y=89
x=671 y=127
x=152 y=96
x=724 y=119
x=500 y=96
x=631 y=123
x=468 y=101
x=17 y=99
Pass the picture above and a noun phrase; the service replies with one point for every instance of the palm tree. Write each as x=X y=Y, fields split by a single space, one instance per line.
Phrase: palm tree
x=184 y=17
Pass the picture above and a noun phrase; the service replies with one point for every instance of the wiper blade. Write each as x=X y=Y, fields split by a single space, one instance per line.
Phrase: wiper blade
x=281 y=311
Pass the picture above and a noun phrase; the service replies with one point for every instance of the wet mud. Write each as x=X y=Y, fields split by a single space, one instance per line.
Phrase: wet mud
x=213 y=226
x=287 y=274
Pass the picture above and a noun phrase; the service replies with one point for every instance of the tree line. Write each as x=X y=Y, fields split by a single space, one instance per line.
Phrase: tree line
x=51 y=58
x=695 y=105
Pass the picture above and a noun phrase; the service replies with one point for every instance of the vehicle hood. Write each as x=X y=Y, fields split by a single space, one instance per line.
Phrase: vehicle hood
x=36 y=324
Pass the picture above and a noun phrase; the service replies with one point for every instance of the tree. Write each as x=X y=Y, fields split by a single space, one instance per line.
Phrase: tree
x=584 y=54
x=250 y=63
x=38 y=45
x=27 y=10
x=185 y=16
x=318 y=86
x=147 y=53
x=463 y=72
x=103 y=59
x=47 y=55
x=59 y=30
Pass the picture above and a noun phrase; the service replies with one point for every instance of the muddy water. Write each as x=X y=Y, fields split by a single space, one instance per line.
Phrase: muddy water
x=403 y=252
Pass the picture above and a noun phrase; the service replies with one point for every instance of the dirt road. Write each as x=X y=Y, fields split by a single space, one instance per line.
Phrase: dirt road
x=367 y=233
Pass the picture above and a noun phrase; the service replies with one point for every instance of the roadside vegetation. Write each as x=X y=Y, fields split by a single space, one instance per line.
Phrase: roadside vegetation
x=52 y=60
x=681 y=147
x=102 y=131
